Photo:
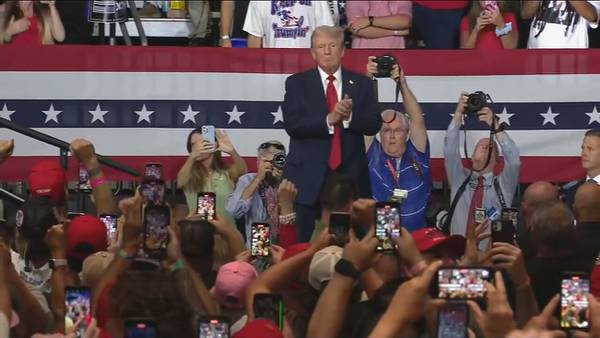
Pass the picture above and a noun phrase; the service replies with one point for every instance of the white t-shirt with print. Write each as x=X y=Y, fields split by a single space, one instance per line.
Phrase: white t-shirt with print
x=286 y=24
x=560 y=28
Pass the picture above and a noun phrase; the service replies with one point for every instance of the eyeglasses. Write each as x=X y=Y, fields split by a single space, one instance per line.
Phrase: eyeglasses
x=268 y=145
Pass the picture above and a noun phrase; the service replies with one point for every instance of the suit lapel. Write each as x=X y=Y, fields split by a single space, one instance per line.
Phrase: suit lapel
x=317 y=92
x=348 y=84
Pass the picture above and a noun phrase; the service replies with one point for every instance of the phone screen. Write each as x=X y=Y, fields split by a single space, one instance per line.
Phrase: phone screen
x=339 y=225
x=84 y=179
x=110 y=221
x=387 y=225
x=462 y=283
x=453 y=321
x=213 y=327
x=140 y=329
x=269 y=306
x=574 y=305
x=78 y=311
x=153 y=170
x=153 y=191
x=503 y=231
x=479 y=216
x=206 y=205
x=208 y=134
x=260 y=239
x=156 y=235
x=511 y=214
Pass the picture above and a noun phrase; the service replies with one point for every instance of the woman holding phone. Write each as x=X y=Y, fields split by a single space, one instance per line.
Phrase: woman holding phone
x=205 y=171
x=31 y=22
x=489 y=27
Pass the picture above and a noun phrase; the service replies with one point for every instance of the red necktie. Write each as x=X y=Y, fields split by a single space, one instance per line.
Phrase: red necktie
x=335 y=156
x=476 y=202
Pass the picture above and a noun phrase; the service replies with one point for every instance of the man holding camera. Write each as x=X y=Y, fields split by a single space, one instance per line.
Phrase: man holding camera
x=326 y=112
x=479 y=187
x=399 y=158
x=255 y=197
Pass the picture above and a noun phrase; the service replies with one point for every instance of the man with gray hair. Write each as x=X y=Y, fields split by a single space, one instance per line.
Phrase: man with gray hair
x=399 y=156
x=255 y=197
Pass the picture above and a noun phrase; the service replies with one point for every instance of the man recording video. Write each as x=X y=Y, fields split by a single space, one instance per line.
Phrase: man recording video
x=479 y=187
x=399 y=156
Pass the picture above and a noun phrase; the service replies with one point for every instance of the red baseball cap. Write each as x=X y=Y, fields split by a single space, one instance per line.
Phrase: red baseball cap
x=47 y=178
x=88 y=230
x=259 y=328
x=430 y=238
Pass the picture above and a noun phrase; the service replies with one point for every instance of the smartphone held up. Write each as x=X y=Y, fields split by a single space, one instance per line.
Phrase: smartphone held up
x=387 y=225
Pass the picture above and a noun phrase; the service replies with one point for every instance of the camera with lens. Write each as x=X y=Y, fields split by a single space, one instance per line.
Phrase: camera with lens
x=477 y=101
x=385 y=63
x=278 y=162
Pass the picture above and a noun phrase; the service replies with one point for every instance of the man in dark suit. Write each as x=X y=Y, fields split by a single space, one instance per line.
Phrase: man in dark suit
x=326 y=112
x=590 y=161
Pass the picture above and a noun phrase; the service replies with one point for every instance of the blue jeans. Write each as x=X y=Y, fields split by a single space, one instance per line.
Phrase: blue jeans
x=439 y=28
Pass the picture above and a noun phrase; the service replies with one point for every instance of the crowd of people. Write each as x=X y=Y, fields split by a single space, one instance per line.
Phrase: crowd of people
x=301 y=247
x=469 y=24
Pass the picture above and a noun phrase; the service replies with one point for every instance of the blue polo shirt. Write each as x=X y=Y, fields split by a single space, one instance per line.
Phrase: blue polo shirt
x=414 y=175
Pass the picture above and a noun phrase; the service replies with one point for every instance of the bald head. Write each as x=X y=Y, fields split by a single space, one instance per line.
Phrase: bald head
x=587 y=203
x=540 y=192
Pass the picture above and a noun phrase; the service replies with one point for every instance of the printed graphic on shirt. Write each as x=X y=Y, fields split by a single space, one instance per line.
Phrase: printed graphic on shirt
x=558 y=12
x=289 y=26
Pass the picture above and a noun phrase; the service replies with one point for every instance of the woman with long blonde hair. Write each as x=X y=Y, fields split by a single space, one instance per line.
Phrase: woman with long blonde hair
x=205 y=171
x=31 y=22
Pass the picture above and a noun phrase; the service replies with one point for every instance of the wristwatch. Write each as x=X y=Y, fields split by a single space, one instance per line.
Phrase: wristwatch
x=55 y=263
x=345 y=268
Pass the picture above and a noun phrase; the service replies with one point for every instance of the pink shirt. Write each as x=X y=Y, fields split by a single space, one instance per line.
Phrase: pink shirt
x=357 y=9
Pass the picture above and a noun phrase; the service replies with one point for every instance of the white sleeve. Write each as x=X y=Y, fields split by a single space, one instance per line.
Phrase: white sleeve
x=253 y=23
x=323 y=14
x=596 y=5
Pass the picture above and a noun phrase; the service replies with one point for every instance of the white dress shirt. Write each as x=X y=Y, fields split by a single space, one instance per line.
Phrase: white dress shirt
x=597 y=179
x=337 y=83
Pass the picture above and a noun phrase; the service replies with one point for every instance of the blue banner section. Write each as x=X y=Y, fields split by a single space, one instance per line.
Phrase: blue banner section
x=267 y=115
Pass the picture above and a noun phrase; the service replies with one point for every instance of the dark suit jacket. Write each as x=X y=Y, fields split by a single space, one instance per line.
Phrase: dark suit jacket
x=568 y=194
x=304 y=114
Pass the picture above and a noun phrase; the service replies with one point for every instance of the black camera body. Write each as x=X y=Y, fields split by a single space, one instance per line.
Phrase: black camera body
x=385 y=63
x=477 y=101
x=278 y=162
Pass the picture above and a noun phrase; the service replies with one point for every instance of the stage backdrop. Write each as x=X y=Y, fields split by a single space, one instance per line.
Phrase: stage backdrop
x=137 y=104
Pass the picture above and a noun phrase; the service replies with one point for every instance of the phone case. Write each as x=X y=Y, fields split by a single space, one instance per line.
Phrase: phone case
x=461 y=283
x=574 y=305
x=156 y=234
x=208 y=134
x=260 y=240
x=387 y=224
x=205 y=205
x=453 y=321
